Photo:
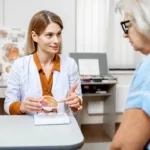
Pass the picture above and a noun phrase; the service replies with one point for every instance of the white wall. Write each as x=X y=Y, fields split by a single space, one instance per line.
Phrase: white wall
x=17 y=13
x=1 y=11
x=122 y=87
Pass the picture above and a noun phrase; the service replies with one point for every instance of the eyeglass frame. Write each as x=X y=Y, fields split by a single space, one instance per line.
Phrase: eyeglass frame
x=124 y=27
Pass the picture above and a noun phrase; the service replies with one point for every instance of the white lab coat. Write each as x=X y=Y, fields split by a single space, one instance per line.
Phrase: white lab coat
x=24 y=81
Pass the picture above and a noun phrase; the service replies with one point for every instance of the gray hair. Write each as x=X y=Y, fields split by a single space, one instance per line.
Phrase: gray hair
x=140 y=10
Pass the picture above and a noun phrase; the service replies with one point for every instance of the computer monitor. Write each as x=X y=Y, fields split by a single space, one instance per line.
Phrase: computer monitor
x=91 y=63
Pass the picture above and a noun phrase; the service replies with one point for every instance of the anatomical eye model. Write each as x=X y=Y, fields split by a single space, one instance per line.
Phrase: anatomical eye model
x=49 y=103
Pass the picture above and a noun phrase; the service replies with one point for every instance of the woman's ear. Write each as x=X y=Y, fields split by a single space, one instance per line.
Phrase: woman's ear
x=34 y=36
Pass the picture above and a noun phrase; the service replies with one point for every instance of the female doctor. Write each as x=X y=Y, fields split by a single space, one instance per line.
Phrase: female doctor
x=43 y=71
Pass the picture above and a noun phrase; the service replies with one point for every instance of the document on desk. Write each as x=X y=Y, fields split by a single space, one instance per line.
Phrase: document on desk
x=89 y=66
x=51 y=118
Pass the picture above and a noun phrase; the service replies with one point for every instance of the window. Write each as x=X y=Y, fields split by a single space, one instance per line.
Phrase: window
x=98 y=30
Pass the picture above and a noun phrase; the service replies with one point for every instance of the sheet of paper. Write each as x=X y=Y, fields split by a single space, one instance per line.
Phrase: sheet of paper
x=89 y=66
x=51 y=118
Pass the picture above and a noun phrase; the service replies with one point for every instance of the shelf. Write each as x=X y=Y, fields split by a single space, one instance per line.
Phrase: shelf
x=97 y=83
x=95 y=94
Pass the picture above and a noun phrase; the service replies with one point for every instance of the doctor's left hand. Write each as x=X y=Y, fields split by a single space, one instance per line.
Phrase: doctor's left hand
x=73 y=101
x=31 y=105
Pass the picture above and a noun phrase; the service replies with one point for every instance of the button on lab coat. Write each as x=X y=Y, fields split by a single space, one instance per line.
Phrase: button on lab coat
x=24 y=81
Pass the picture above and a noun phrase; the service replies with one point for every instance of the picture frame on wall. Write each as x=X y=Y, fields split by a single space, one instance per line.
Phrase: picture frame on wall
x=12 y=45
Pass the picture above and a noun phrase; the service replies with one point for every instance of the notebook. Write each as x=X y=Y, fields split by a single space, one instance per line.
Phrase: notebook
x=51 y=118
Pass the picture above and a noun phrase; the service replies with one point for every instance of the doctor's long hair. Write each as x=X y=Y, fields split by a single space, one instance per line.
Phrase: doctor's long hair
x=38 y=24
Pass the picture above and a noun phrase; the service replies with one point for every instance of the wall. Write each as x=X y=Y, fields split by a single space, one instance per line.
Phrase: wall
x=17 y=13
x=1 y=11
x=124 y=80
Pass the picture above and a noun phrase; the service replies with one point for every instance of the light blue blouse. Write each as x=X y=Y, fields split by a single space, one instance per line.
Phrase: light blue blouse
x=139 y=92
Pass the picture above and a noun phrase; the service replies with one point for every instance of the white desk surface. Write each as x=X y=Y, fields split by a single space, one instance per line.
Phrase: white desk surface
x=20 y=133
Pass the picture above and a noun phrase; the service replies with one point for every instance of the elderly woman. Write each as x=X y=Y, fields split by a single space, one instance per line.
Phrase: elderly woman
x=134 y=131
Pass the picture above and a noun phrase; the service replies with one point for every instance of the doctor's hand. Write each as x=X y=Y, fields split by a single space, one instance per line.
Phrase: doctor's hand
x=73 y=101
x=31 y=105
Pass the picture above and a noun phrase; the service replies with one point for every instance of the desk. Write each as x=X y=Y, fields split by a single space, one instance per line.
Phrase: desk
x=20 y=133
x=109 y=103
x=3 y=86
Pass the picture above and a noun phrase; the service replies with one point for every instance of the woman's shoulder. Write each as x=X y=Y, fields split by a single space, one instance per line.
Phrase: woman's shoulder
x=145 y=64
x=67 y=63
x=22 y=60
x=143 y=70
x=64 y=58
x=23 y=57
x=146 y=60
